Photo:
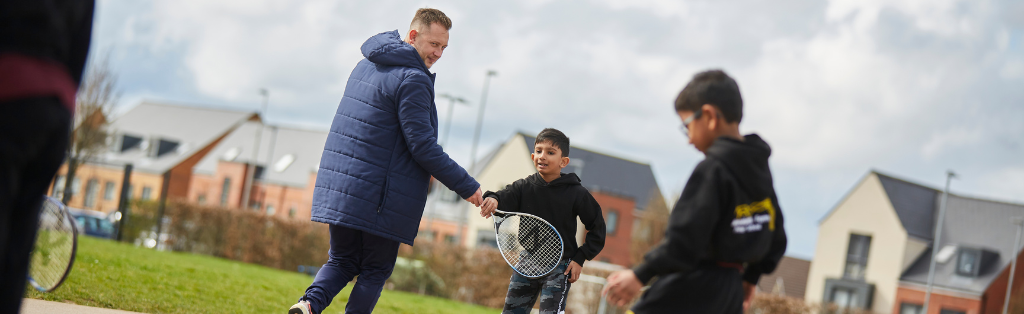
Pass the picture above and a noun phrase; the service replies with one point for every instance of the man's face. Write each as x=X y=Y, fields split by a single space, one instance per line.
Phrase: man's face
x=430 y=43
x=548 y=158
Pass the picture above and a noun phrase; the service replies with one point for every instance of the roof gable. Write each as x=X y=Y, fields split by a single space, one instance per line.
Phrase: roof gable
x=971 y=223
x=915 y=205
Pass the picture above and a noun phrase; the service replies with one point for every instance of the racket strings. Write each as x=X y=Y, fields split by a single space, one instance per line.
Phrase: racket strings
x=531 y=246
x=53 y=250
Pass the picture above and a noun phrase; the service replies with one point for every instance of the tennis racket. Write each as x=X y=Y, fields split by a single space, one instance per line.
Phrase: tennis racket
x=528 y=243
x=55 y=247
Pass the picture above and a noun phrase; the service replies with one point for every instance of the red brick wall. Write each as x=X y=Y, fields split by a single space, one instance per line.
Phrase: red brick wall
x=617 y=245
x=996 y=293
x=104 y=174
x=282 y=197
x=937 y=302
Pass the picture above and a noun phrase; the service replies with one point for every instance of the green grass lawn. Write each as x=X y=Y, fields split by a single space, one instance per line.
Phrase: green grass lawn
x=121 y=276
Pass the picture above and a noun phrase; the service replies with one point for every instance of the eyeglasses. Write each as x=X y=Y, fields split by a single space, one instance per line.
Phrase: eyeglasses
x=686 y=123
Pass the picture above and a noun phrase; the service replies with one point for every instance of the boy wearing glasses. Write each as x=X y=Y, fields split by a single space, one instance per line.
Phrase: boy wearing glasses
x=726 y=229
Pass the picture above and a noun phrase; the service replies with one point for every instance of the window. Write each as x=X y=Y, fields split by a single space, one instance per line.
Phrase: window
x=907 y=308
x=844 y=298
x=201 y=199
x=284 y=162
x=91 y=189
x=611 y=222
x=947 y=311
x=486 y=238
x=857 y=257
x=291 y=212
x=224 y=192
x=75 y=186
x=147 y=192
x=968 y=261
x=270 y=210
x=449 y=196
x=58 y=187
x=450 y=239
x=108 y=191
x=425 y=235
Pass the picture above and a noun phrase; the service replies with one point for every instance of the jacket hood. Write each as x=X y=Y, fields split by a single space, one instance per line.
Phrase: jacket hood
x=565 y=179
x=748 y=158
x=387 y=48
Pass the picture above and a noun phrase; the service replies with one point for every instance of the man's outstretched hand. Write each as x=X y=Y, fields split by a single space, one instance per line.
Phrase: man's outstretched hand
x=622 y=287
x=477 y=198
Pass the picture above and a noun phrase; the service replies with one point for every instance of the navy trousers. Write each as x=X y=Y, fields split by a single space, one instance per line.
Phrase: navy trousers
x=33 y=138
x=353 y=253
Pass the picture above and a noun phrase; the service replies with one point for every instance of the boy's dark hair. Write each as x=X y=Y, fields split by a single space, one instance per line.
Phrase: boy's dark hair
x=712 y=87
x=557 y=139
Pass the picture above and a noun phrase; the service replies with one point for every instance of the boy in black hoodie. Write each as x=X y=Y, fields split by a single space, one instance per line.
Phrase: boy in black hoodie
x=558 y=198
x=726 y=229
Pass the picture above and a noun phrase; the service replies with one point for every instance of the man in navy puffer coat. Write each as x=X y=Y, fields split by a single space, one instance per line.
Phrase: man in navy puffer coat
x=377 y=163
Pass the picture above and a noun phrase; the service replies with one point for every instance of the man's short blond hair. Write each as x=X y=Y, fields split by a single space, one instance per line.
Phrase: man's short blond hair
x=426 y=17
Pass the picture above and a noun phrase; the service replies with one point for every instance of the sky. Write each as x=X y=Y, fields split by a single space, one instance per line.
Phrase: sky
x=910 y=88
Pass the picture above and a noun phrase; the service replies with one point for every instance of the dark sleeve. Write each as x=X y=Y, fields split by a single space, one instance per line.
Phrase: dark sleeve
x=414 y=110
x=779 y=241
x=590 y=214
x=690 y=227
x=508 y=197
x=80 y=33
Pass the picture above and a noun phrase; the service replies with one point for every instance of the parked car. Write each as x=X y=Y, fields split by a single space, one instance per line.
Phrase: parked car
x=93 y=223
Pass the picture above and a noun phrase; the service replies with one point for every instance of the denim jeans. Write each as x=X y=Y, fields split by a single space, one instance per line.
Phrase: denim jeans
x=353 y=253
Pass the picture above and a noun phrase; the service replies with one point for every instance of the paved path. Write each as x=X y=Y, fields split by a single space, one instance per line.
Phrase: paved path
x=33 y=306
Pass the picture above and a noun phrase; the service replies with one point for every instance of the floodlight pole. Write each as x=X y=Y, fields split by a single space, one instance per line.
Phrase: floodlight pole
x=1019 y=222
x=935 y=243
x=476 y=141
x=436 y=185
x=250 y=171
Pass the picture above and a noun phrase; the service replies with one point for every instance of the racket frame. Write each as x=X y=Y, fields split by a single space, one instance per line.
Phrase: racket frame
x=74 y=244
x=504 y=215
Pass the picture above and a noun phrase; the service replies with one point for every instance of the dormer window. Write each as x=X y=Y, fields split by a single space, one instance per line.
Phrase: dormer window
x=968 y=262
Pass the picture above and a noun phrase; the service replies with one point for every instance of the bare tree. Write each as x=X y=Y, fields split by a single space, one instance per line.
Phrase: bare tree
x=653 y=221
x=93 y=105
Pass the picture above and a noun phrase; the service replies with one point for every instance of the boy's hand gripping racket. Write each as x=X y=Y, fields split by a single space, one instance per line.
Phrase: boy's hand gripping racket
x=54 y=250
x=528 y=243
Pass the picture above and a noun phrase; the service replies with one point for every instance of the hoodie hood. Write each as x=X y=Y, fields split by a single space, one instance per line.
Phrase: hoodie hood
x=387 y=48
x=748 y=158
x=565 y=179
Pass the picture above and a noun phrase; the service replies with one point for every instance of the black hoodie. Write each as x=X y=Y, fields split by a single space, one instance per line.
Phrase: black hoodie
x=558 y=202
x=727 y=213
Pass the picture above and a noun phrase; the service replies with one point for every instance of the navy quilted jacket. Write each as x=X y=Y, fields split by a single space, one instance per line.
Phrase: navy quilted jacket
x=382 y=148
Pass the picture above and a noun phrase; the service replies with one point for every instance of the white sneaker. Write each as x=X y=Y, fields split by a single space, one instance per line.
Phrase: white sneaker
x=300 y=308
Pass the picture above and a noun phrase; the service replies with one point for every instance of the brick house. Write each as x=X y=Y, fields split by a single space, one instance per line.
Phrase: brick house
x=203 y=155
x=874 y=250
x=163 y=143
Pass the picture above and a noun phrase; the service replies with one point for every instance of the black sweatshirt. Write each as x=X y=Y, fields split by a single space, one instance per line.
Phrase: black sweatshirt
x=728 y=213
x=558 y=202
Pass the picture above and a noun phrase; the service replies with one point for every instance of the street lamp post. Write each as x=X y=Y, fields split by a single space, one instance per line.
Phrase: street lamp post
x=251 y=170
x=436 y=185
x=1019 y=222
x=476 y=141
x=451 y=109
x=935 y=243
